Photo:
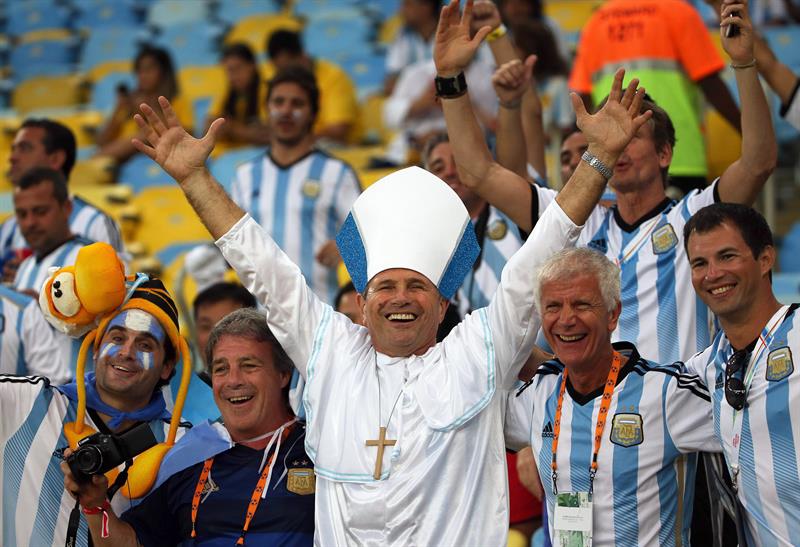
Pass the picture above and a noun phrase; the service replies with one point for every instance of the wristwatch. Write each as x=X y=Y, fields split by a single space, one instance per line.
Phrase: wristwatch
x=450 y=88
x=597 y=165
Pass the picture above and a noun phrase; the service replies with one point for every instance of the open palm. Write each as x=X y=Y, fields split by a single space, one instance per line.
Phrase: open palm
x=453 y=49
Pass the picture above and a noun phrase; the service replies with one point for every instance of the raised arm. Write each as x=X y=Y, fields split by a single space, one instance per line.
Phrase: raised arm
x=743 y=179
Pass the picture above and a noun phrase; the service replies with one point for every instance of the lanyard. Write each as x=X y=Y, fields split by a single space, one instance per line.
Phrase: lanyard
x=605 y=403
x=764 y=340
x=258 y=493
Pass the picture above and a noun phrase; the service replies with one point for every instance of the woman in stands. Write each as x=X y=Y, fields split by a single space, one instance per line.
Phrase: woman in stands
x=243 y=105
x=155 y=76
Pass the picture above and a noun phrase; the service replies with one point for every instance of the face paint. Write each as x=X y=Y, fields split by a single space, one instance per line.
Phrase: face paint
x=296 y=114
x=139 y=322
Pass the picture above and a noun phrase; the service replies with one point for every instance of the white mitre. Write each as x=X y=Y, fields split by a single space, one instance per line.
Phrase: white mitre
x=409 y=219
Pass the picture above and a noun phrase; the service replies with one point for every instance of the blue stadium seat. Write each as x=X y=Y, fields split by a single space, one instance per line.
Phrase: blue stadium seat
x=40 y=57
x=93 y=14
x=383 y=9
x=789 y=255
x=165 y=13
x=104 y=90
x=786 y=287
x=232 y=11
x=31 y=16
x=111 y=44
x=224 y=167
x=191 y=43
x=335 y=36
x=785 y=42
x=315 y=8
x=367 y=69
x=141 y=172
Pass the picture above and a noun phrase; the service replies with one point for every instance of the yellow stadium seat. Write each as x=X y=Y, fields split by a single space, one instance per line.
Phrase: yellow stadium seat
x=167 y=218
x=92 y=172
x=571 y=15
x=198 y=82
x=44 y=34
x=390 y=29
x=358 y=156
x=47 y=92
x=103 y=69
x=255 y=29
x=370 y=127
x=723 y=143
x=83 y=123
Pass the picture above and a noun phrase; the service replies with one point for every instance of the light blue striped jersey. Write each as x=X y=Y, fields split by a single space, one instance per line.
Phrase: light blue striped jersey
x=769 y=457
x=500 y=240
x=658 y=419
x=406 y=49
x=301 y=206
x=35 y=506
x=86 y=220
x=661 y=313
x=33 y=271
x=28 y=344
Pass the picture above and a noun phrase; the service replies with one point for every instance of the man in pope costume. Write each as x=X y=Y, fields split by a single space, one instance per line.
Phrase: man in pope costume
x=406 y=434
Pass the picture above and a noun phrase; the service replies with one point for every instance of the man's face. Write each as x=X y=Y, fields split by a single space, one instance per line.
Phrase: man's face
x=575 y=320
x=290 y=117
x=572 y=149
x=43 y=221
x=348 y=305
x=248 y=389
x=209 y=315
x=402 y=311
x=442 y=164
x=130 y=361
x=239 y=72
x=725 y=274
x=640 y=164
x=28 y=151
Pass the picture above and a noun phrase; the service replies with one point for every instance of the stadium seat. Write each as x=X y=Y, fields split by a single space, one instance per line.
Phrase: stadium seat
x=255 y=30
x=191 y=43
x=201 y=85
x=789 y=255
x=42 y=57
x=224 y=167
x=570 y=16
x=785 y=42
x=786 y=287
x=234 y=10
x=111 y=44
x=164 y=13
x=371 y=127
x=93 y=14
x=309 y=9
x=334 y=37
x=367 y=69
x=104 y=90
x=23 y=17
x=383 y=10
x=95 y=171
x=47 y=92
x=141 y=172
x=83 y=123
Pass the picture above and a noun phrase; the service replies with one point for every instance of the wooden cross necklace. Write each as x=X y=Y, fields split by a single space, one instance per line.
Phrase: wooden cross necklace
x=381 y=442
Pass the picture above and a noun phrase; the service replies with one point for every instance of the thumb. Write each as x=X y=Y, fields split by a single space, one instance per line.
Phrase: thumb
x=213 y=130
x=481 y=34
x=530 y=62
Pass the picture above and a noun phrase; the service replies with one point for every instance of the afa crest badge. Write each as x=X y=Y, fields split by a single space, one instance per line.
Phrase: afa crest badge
x=311 y=189
x=626 y=430
x=664 y=239
x=301 y=481
x=497 y=229
x=779 y=364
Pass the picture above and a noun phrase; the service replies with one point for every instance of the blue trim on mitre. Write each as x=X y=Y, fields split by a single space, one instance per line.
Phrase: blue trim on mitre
x=461 y=262
x=354 y=255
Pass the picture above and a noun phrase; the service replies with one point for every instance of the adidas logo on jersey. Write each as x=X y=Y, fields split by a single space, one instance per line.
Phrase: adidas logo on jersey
x=599 y=245
x=720 y=381
x=547 y=431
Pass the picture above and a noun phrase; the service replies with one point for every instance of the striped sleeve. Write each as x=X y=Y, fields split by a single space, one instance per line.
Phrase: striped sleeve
x=688 y=411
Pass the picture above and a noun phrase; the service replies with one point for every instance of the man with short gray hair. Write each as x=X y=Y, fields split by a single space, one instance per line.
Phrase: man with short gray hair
x=639 y=470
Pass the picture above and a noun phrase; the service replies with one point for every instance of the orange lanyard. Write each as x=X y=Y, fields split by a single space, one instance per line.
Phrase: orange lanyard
x=255 y=497
x=605 y=403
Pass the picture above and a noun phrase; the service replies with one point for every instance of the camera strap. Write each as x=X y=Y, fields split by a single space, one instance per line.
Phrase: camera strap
x=72 y=527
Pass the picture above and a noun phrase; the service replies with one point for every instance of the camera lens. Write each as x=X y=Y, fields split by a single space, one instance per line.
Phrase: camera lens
x=89 y=460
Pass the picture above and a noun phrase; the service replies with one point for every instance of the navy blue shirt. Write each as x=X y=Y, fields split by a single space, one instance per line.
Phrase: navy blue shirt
x=284 y=517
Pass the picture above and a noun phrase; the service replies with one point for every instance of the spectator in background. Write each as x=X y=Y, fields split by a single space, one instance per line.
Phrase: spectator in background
x=664 y=44
x=243 y=106
x=41 y=142
x=415 y=41
x=346 y=303
x=338 y=104
x=155 y=75
x=214 y=303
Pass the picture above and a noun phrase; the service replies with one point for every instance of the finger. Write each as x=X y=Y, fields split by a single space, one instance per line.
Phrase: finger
x=151 y=136
x=636 y=105
x=148 y=151
x=530 y=63
x=466 y=17
x=578 y=107
x=616 y=86
x=480 y=35
x=169 y=113
x=640 y=120
x=630 y=93
x=152 y=118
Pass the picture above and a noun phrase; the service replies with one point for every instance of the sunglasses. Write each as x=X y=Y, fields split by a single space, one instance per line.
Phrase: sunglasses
x=735 y=390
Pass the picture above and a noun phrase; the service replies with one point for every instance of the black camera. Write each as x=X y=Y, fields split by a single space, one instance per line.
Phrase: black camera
x=101 y=452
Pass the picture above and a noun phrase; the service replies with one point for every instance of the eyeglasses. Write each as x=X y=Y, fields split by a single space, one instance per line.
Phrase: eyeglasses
x=735 y=390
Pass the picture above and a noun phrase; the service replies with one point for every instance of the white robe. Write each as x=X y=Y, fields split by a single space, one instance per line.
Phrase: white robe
x=444 y=482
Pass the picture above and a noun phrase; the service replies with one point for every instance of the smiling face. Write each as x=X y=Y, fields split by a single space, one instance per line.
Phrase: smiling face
x=725 y=274
x=576 y=321
x=130 y=361
x=43 y=221
x=572 y=149
x=402 y=311
x=248 y=388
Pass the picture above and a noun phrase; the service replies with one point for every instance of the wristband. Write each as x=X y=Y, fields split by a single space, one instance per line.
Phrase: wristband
x=103 y=509
x=597 y=165
x=499 y=32
x=450 y=88
x=746 y=65
x=511 y=105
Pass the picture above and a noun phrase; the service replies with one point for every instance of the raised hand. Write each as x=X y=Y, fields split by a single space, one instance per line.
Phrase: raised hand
x=485 y=13
x=170 y=146
x=453 y=49
x=611 y=129
x=740 y=47
x=512 y=79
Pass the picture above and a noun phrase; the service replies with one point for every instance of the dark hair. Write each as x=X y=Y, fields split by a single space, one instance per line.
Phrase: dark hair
x=38 y=175
x=242 y=51
x=534 y=37
x=222 y=291
x=169 y=83
x=284 y=41
x=56 y=137
x=536 y=8
x=753 y=227
x=433 y=141
x=343 y=290
x=302 y=77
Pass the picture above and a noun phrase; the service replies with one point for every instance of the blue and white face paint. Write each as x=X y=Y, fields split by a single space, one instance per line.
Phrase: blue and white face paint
x=140 y=322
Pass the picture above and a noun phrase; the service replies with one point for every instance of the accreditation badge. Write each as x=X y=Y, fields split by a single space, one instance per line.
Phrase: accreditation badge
x=664 y=239
x=301 y=481
x=572 y=522
x=311 y=188
x=779 y=364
